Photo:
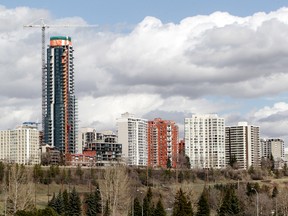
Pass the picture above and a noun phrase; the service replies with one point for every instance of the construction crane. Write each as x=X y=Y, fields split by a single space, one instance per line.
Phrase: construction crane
x=43 y=27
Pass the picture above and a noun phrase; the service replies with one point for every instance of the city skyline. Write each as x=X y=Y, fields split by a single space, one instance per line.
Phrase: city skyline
x=232 y=63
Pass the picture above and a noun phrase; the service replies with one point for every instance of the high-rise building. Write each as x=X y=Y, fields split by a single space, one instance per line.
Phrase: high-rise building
x=60 y=125
x=205 y=141
x=243 y=143
x=20 y=145
x=162 y=143
x=274 y=147
x=132 y=134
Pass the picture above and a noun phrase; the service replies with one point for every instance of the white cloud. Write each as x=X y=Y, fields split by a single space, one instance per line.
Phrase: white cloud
x=156 y=69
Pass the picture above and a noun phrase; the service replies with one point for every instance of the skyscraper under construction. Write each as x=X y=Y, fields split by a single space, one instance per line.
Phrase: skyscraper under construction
x=60 y=110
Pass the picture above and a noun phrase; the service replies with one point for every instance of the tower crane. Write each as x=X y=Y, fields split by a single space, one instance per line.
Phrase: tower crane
x=43 y=27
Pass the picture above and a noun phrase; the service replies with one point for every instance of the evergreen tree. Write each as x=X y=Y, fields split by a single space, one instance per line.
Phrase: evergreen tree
x=98 y=199
x=233 y=161
x=159 y=210
x=169 y=164
x=275 y=192
x=182 y=207
x=137 y=207
x=46 y=212
x=37 y=173
x=180 y=177
x=2 y=171
x=285 y=169
x=272 y=162
x=93 y=202
x=147 y=203
x=65 y=197
x=59 y=204
x=187 y=163
x=74 y=203
x=52 y=202
x=203 y=206
x=230 y=204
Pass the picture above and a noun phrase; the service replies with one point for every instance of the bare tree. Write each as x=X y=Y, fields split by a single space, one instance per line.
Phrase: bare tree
x=115 y=189
x=19 y=189
x=281 y=202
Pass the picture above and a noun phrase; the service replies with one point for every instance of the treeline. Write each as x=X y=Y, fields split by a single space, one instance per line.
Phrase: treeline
x=130 y=191
x=231 y=199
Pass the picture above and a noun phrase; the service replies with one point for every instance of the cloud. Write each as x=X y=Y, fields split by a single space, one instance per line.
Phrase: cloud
x=203 y=64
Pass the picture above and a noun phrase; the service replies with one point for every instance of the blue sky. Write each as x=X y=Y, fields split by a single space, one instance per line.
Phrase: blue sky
x=133 y=11
x=154 y=59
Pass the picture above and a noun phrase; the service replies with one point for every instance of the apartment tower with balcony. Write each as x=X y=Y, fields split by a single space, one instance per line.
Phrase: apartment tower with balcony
x=132 y=134
x=60 y=112
x=162 y=143
x=205 y=141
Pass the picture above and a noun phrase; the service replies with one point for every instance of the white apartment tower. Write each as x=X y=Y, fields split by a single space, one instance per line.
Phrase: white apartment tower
x=21 y=145
x=205 y=141
x=132 y=134
x=243 y=143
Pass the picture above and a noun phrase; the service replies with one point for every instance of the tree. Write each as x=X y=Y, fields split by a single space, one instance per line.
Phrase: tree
x=59 y=204
x=159 y=210
x=275 y=192
x=37 y=173
x=19 y=189
x=74 y=203
x=182 y=207
x=285 y=169
x=169 y=164
x=93 y=203
x=187 y=163
x=65 y=196
x=137 y=207
x=230 y=204
x=147 y=203
x=52 y=202
x=2 y=171
x=47 y=212
x=106 y=209
x=79 y=172
x=272 y=162
x=233 y=162
x=180 y=177
x=203 y=205
x=115 y=189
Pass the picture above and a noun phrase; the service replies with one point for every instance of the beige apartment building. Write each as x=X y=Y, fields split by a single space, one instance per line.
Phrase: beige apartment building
x=20 y=145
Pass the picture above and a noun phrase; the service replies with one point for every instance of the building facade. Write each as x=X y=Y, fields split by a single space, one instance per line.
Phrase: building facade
x=274 y=147
x=243 y=144
x=104 y=149
x=85 y=135
x=132 y=134
x=21 y=145
x=162 y=143
x=205 y=141
x=60 y=112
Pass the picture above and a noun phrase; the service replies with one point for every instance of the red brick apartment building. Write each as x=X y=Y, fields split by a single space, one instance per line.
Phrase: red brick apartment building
x=162 y=142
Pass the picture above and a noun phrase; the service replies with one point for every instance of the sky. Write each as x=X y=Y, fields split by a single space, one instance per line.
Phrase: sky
x=164 y=58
